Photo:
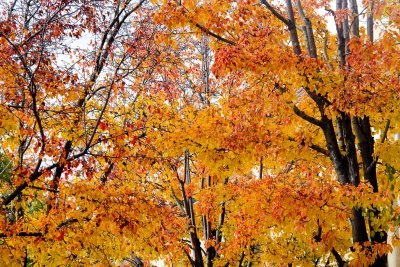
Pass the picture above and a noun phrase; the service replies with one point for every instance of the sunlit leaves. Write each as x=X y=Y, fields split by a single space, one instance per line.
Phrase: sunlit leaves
x=168 y=101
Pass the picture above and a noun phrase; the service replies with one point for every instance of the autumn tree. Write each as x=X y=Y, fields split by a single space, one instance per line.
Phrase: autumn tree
x=73 y=77
x=320 y=101
x=203 y=133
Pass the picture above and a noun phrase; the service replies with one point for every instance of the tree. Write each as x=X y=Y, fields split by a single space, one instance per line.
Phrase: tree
x=210 y=133
x=343 y=90
x=72 y=74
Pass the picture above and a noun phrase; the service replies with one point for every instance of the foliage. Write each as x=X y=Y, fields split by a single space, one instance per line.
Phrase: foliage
x=198 y=132
x=5 y=169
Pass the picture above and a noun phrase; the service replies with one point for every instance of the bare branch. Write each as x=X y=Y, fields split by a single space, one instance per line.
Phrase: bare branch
x=106 y=42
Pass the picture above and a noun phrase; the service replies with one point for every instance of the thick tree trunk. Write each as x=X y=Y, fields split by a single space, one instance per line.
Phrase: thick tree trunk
x=197 y=260
x=196 y=248
x=346 y=165
x=358 y=227
x=346 y=169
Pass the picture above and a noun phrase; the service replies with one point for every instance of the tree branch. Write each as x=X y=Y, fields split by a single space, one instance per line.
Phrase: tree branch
x=216 y=36
x=338 y=258
x=275 y=12
x=22 y=234
x=319 y=149
x=104 y=177
x=307 y=117
x=33 y=177
x=309 y=31
x=385 y=131
x=241 y=259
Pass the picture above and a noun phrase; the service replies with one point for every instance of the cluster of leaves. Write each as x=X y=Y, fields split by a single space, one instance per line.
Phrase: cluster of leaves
x=197 y=132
